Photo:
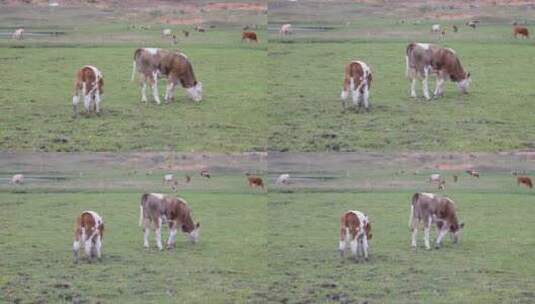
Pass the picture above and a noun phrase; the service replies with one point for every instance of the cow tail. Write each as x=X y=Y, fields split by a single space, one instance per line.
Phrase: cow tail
x=413 y=201
x=141 y=216
x=407 y=53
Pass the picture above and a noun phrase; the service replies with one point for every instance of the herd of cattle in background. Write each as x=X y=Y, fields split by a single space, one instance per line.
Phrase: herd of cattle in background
x=157 y=209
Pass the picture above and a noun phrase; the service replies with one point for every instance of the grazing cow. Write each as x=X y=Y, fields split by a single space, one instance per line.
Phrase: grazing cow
x=423 y=59
x=435 y=28
x=524 y=180
x=18 y=34
x=358 y=79
x=355 y=231
x=254 y=181
x=455 y=178
x=152 y=63
x=435 y=178
x=188 y=179
x=472 y=173
x=283 y=179
x=473 y=24
x=249 y=36
x=17 y=179
x=186 y=33
x=166 y=32
x=286 y=29
x=200 y=29
x=429 y=208
x=522 y=31
x=89 y=85
x=88 y=233
x=204 y=173
x=156 y=208
x=169 y=179
x=455 y=28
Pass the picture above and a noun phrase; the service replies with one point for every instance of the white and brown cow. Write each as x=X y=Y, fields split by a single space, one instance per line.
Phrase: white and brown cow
x=355 y=230
x=88 y=233
x=156 y=209
x=153 y=63
x=424 y=59
x=17 y=179
x=18 y=34
x=88 y=85
x=430 y=208
x=286 y=29
x=357 y=79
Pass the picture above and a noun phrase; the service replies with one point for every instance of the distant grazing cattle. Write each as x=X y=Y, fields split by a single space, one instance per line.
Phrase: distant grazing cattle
x=522 y=31
x=204 y=173
x=89 y=231
x=17 y=179
x=472 y=173
x=430 y=208
x=249 y=36
x=422 y=59
x=435 y=28
x=88 y=85
x=186 y=33
x=170 y=180
x=283 y=179
x=357 y=79
x=473 y=24
x=18 y=34
x=455 y=28
x=455 y=178
x=152 y=63
x=200 y=29
x=435 y=178
x=355 y=231
x=156 y=209
x=166 y=32
x=254 y=181
x=188 y=178
x=286 y=29
x=524 y=180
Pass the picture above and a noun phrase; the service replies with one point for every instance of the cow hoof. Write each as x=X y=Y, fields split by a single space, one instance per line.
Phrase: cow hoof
x=437 y=246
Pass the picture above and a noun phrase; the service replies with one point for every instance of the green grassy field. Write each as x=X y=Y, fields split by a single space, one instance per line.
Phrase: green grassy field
x=307 y=69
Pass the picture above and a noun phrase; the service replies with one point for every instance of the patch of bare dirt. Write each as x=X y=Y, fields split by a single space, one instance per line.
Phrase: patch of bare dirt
x=235 y=6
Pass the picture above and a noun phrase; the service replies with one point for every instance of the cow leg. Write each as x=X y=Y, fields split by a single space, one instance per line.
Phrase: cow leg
x=75 y=249
x=365 y=246
x=356 y=97
x=144 y=91
x=158 y=233
x=172 y=236
x=88 y=246
x=75 y=101
x=146 y=232
x=413 y=88
x=344 y=236
x=441 y=234
x=170 y=92
x=427 y=229
x=98 y=247
x=366 y=97
x=425 y=85
x=354 y=247
x=97 y=101
x=414 y=235
x=439 y=86
x=155 y=92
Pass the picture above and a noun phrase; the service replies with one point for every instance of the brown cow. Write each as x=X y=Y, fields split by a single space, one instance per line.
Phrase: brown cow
x=204 y=173
x=429 y=208
x=522 y=31
x=358 y=79
x=355 y=230
x=254 y=181
x=88 y=84
x=249 y=36
x=524 y=180
x=422 y=59
x=472 y=173
x=155 y=208
x=154 y=63
x=89 y=231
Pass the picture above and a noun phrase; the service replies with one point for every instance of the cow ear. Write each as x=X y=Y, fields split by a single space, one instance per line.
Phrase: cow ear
x=468 y=75
x=462 y=225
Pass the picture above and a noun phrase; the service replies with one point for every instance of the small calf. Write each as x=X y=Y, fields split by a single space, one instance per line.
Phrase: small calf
x=473 y=173
x=17 y=179
x=254 y=181
x=524 y=180
x=88 y=233
x=355 y=230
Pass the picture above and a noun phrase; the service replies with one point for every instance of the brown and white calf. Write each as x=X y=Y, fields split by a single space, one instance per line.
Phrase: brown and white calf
x=522 y=31
x=472 y=173
x=254 y=181
x=17 y=179
x=424 y=59
x=355 y=231
x=88 y=85
x=154 y=63
x=357 y=79
x=249 y=36
x=88 y=233
x=156 y=209
x=524 y=180
x=286 y=29
x=18 y=34
x=430 y=208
